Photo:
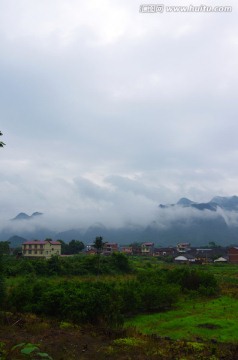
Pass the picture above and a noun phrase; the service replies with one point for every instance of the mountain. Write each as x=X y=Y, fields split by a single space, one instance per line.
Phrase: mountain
x=23 y=225
x=185 y=202
x=16 y=241
x=184 y=221
x=216 y=220
x=124 y=235
x=21 y=216
x=225 y=203
x=68 y=235
x=24 y=216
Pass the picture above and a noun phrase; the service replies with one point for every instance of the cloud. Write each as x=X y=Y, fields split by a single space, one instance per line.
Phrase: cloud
x=107 y=112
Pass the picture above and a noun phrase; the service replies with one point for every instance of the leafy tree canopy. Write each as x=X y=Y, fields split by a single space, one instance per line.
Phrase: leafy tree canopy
x=4 y=247
x=98 y=244
x=72 y=248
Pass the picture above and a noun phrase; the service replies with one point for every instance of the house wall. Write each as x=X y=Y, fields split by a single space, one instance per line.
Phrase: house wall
x=126 y=250
x=147 y=249
x=109 y=248
x=40 y=249
x=233 y=255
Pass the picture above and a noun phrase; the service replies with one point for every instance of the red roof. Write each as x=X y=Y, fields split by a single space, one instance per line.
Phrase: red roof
x=41 y=242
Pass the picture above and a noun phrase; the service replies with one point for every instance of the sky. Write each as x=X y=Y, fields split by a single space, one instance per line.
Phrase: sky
x=107 y=111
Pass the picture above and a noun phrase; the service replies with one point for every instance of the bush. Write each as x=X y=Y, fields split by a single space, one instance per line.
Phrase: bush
x=193 y=280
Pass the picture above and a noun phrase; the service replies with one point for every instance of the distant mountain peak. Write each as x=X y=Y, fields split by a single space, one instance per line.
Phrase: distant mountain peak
x=229 y=203
x=185 y=202
x=24 y=216
x=36 y=213
x=21 y=216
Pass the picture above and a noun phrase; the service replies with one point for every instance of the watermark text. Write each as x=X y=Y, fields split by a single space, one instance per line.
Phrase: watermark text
x=160 y=8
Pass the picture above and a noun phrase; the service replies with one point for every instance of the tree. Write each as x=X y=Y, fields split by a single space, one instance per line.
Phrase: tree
x=64 y=248
x=54 y=265
x=2 y=283
x=98 y=244
x=120 y=262
x=72 y=248
x=4 y=248
x=75 y=246
x=1 y=143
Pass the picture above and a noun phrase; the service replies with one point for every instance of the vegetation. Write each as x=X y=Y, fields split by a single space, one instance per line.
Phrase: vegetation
x=144 y=303
x=98 y=244
x=77 y=265
x=204 y=319
x=2 y=283
x=72 y=248
x=54 y=288
x=4 y=248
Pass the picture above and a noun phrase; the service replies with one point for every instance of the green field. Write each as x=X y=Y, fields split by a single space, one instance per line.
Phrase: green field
x=199 y=317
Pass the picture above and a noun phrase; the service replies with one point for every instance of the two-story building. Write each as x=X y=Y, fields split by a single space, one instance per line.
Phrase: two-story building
x=127 y=250
x=147 y=248
x=183 y=247
x=167 y=251
x=109 y=248
x=41 y=249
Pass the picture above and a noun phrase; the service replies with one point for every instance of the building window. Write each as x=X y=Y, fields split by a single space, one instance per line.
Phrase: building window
x=35 y=246
x=41 y=252
x=29 y=251
x=41 y=246
x=35 y=251
x=29 y=246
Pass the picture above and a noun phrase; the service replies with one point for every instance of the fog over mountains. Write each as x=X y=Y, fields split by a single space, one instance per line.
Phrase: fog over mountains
x=186 y=220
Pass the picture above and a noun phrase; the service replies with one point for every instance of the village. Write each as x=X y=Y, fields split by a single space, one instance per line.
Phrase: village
x=182 y=253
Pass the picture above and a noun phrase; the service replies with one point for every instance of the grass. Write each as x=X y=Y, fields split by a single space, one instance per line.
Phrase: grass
x=212 y=319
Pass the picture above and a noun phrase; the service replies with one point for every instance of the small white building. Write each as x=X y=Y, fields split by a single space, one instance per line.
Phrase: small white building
x=221 y=260
x=183 y=259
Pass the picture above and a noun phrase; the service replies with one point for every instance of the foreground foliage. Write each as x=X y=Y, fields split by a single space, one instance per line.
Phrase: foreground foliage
x=100 y=301
x=170 y=312
x=79 y=265
x=95 y=302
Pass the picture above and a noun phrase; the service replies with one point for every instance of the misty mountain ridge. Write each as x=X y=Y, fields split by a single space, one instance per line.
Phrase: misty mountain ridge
x=24 y=216
x=225 y=203
x=184 y=221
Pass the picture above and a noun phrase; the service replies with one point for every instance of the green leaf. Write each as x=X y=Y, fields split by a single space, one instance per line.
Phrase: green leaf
x=44 y=355
x=18 y=345
x=29 y=349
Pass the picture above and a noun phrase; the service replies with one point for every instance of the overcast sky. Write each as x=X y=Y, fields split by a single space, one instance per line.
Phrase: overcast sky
x=107 y=112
